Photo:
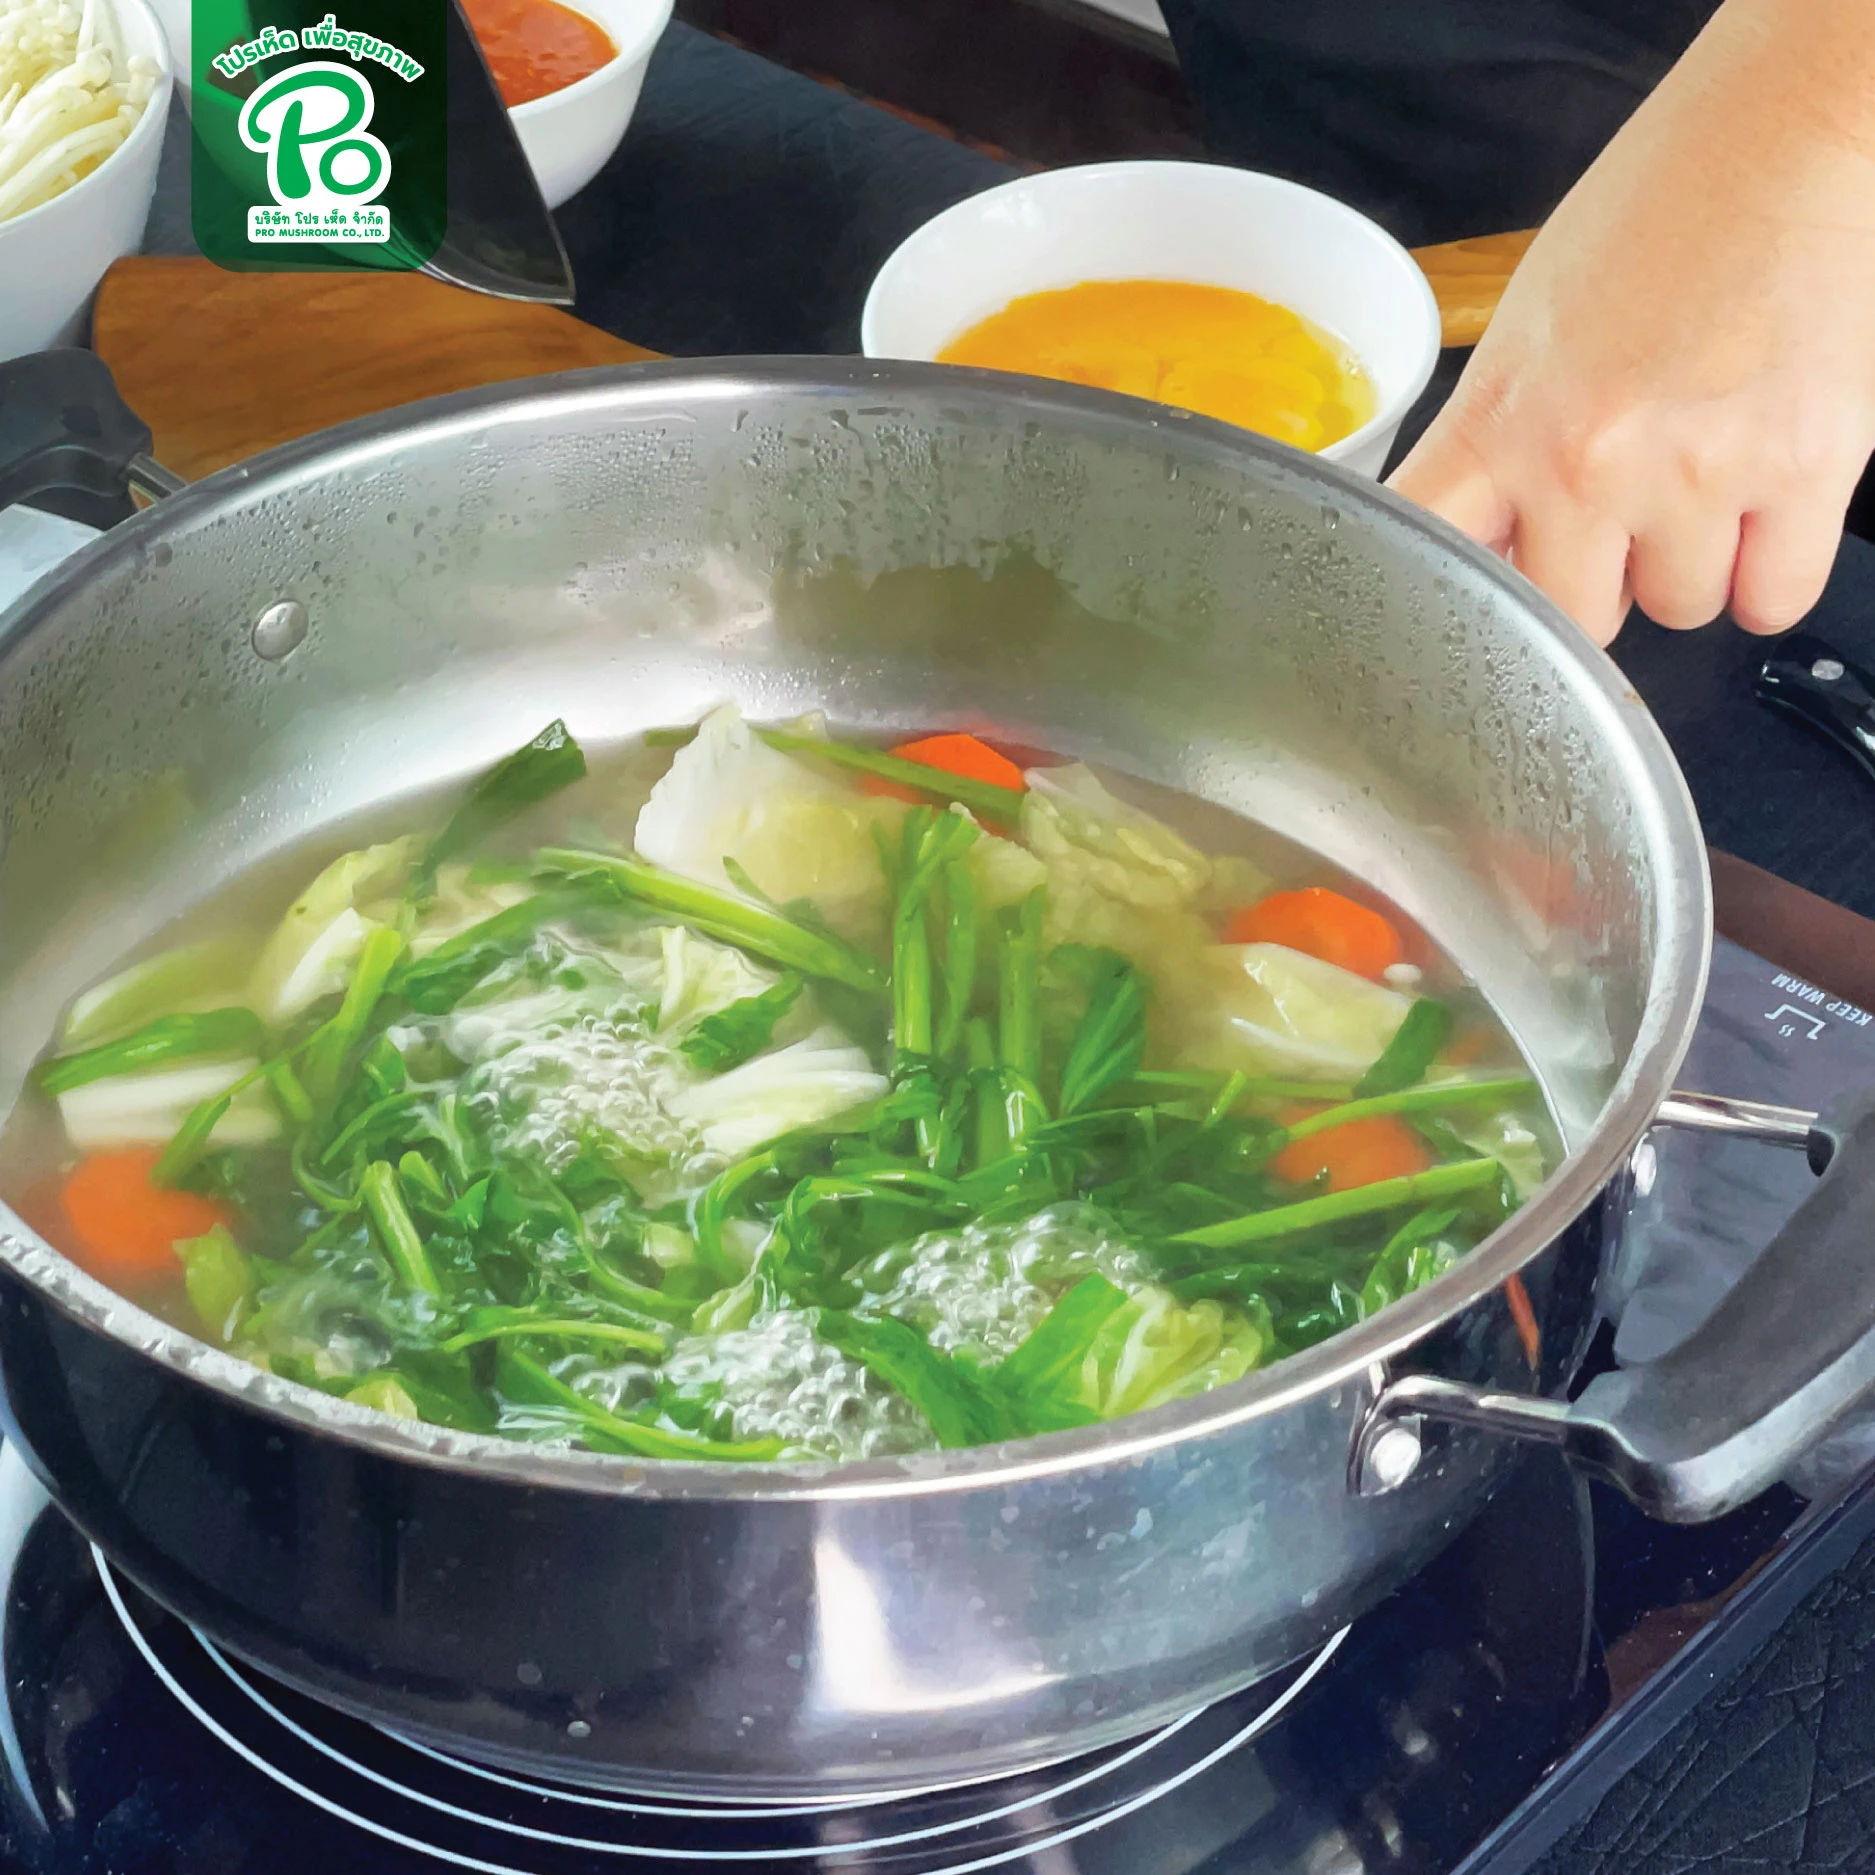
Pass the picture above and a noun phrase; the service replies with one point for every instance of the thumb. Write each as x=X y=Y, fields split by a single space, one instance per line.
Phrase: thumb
x=1447 y=477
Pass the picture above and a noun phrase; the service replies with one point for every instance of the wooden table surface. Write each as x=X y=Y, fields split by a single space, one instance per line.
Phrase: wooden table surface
x=222 y=365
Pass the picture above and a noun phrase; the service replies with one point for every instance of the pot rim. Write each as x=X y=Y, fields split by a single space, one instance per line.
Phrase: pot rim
x=1682 y=930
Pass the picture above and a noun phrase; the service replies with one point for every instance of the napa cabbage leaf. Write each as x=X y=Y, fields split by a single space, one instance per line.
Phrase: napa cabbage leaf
x=149 y=1109
x=801 y=1085
x=313 y=949
x=792 y=832
x=1268 y=1009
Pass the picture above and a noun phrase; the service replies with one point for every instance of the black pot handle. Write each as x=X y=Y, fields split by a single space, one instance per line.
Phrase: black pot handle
x=1706 y=1427
x=1815 y=683
x=64 y=431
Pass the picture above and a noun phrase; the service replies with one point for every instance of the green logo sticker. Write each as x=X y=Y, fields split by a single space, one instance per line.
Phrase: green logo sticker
x=318 y=145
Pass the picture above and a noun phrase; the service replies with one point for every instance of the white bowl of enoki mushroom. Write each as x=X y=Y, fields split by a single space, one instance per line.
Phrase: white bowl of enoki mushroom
x=84 y=93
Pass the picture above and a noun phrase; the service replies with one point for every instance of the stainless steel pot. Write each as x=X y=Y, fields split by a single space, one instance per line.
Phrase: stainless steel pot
x=389 y=605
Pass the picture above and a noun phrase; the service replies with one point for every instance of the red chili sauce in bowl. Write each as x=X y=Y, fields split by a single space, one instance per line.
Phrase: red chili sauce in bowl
x=535 y=47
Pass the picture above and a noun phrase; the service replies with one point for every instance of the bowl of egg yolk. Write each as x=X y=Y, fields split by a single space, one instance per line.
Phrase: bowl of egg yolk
x=1222 y=291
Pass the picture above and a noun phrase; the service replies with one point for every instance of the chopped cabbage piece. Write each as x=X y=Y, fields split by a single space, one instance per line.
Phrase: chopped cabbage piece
x=1505 y=1136
x=1005 y=873
x=702 y=977
x=795 y=833
x=459 y=903
x=1080 y=830
x=149 y=1109
x=1271 y=1010
x=808 y=1081
x=312 y=951
x=1118 y=880
x=190 y=978
x=1156 y=1348
x=387 y=1393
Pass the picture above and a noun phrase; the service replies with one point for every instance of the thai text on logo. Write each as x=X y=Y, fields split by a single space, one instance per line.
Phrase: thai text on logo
x=311 y=121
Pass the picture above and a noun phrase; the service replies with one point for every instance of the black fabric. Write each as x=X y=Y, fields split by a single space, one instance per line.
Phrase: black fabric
x=749 y=208
x=1439 y=118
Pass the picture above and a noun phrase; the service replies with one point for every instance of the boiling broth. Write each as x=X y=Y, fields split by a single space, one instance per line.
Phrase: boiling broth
x=754 y=1094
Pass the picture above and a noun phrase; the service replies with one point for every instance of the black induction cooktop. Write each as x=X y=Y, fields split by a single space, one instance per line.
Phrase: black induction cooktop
x=1462 y=1726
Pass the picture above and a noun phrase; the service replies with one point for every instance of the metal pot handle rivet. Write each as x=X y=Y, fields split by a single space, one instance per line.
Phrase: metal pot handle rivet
x=279 y=629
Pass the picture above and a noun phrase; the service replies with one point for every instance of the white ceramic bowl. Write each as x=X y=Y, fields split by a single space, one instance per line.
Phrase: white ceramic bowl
x=1199 y=222
x=569 y=135
x=53 y=256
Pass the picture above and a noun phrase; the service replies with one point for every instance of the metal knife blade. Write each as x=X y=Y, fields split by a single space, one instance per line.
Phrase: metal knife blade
x=1814 y=682
x=499 y=237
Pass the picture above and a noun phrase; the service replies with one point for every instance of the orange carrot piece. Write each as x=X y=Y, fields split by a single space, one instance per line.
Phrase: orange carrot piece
x=1523 y=1317
x=954 y=754
x=1360 y=1152
x=1323 y=924
x=123 y=1226
x=1466 y=1046
x=958 y=754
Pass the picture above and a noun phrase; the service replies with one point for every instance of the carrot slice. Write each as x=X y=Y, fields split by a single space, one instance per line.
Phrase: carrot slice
x=1322 y=924
x=123 y=1226
x=1523 y=1318
x=958 y=754
x=1360 y=1152
x=954 y=754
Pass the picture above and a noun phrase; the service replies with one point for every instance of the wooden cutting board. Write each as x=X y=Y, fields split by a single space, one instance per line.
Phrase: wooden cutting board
x=223 y=365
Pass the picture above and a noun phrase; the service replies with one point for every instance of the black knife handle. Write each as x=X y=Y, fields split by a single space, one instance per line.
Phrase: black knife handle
x=1815 y=683
x=65 y=430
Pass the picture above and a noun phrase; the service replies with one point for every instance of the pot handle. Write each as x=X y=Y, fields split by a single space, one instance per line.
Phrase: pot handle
x=65 y=429
x=1815 y=683
x=1720 y=1418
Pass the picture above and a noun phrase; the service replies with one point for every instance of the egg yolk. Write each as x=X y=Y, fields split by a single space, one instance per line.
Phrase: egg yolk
x=1205 y=348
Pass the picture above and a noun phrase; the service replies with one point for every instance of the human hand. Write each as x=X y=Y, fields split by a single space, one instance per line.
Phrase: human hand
x=1676 y=396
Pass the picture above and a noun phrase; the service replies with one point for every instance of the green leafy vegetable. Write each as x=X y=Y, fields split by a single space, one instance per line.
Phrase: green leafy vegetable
x=1441 y=1094
x=1406 y=1058
x=524 y=1380
x=1409 y=1260
x=962 y=1409
x=983 y=798
x=435 y=984
x=159 y=985
x=501 y=1324
x=731 y=1036
x=1387 y=1194
x=959 y=973
x=1110 y=1042
x=1049 y=1359
x=716 y=914
x=179 y=1157
x=1019 y=1036
x=167 y=1038
x=514 y=1147
x=324 y=1060
x=536 y=770
x=398 y=1234
x=219 y=1280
